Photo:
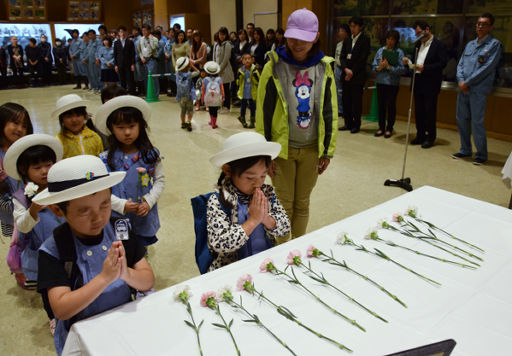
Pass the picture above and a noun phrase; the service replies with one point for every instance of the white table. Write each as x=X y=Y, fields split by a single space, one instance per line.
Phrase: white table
x=507 y=175
x=472 y=307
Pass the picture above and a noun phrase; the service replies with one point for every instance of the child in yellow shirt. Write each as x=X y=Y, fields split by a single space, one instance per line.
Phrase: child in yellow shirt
x=75 y=136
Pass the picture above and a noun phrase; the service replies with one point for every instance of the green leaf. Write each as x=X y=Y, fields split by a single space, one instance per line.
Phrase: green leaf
x=219 y=325
x=200 y=324
x=249 y=321
x=189 y=324
x=231 y=323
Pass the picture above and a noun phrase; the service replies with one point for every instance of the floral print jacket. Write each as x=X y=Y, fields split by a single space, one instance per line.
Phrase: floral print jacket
x=225 y=235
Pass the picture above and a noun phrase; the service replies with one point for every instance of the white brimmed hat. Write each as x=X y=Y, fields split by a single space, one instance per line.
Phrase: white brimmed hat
x=100 y=119
x=182 y=63
x=21 y=145
x=77 y=177
x=68 y=102
x=243 y=145
x=211 y=67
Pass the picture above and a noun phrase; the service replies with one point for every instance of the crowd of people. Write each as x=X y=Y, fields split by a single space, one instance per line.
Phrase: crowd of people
x=82 y=207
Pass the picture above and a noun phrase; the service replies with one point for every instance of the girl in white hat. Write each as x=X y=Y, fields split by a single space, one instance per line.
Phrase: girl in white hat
x=212 y=91
x=186 y=93
x=125 y=119
x=29 y=159
x=76 y=137
x=244 y=217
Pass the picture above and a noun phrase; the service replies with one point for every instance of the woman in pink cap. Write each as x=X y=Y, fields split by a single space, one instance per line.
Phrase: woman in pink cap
x=297 y=107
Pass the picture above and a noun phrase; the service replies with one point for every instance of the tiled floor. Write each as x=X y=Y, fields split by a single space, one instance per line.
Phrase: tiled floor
x=352 y=183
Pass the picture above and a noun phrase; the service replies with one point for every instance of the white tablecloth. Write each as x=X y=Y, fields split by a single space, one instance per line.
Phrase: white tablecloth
x=474 y=307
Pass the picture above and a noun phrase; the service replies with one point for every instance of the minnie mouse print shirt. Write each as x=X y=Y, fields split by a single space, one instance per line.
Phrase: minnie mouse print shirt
x=299 y=87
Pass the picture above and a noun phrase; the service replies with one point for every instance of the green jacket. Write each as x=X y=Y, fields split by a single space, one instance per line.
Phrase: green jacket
x=255 y=79
x=272 y=109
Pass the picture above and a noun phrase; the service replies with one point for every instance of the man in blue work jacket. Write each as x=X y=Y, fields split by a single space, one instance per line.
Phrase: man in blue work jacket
x=475 y=74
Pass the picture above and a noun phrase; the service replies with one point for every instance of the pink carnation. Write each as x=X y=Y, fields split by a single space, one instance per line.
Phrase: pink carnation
x=206 y=296
x=141 y=170
x=263 y=266
x=240 y=284
x=292 y=257
x=397 y=217
x=310 y=252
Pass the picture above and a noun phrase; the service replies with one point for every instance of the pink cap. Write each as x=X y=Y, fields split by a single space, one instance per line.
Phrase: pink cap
x=302 y=25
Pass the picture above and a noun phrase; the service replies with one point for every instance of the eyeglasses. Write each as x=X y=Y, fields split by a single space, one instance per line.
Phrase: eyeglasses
x=483 y=24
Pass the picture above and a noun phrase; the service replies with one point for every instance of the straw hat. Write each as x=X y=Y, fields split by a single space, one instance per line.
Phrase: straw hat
x=100 y=119
x=68 y=102
x=21 y=145
x=77 y=177
x=182 y=63
x=211 y=67
x=245 y=144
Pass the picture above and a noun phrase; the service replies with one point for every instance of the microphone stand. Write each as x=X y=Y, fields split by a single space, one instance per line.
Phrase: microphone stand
x=405 y=183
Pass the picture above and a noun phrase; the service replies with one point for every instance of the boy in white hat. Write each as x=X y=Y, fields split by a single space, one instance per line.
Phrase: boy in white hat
x=28 y=160
x=84 y=268
x=244 y=217
x=185 y=90
x=75 y=136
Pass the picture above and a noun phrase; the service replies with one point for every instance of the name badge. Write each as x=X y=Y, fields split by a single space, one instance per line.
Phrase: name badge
x=349 y=56
x=121 y=229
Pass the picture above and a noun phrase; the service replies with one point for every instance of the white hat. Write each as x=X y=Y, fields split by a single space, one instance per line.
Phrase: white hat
x=68 y=102
x=77 y=177
x=245 y=144
x=21 y=145
x=100 y=119
x=211 y=67
x=182 y=63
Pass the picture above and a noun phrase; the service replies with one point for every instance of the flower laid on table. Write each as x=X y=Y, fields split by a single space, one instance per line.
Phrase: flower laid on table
x=313 y=252
x=183 y=296
x=294 y=259
x=227 y=297
x=209 y=300
x=31 y=189
x=373 y=235
x=413 y=213
x=245 y=284
x=409 y=229
x=292 y=279
x=345 y=240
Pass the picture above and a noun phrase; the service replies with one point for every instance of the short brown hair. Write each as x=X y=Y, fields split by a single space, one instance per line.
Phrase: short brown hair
x=393 y=34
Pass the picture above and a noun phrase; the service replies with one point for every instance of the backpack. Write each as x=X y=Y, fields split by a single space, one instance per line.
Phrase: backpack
x=204 y=257
x=212 y=94
x=184 y=85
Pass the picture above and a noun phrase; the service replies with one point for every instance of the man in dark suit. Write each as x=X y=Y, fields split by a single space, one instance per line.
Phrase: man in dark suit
x=354 y=55
x=124 y=60
x=431 y=59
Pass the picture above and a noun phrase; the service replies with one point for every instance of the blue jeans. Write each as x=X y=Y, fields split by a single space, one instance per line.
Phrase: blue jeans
x=337 y=78
x=243 y=106
x=470 y=117
x=151 y=65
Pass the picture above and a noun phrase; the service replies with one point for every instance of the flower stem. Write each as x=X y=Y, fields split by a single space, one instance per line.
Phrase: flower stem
x=333 y=261
x=293 y=280
x=321 y=279
x=256 y=319
x=289 y=315
x=228 y=328
x=450 y=252
x=195 y=327
x=447 y=233
x=391 y=243
x=433 y=236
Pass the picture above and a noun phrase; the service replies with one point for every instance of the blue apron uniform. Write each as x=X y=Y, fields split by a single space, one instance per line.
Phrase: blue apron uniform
x=32 y=240
x=257 y=239
x=131 y=188
x=90 y=263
